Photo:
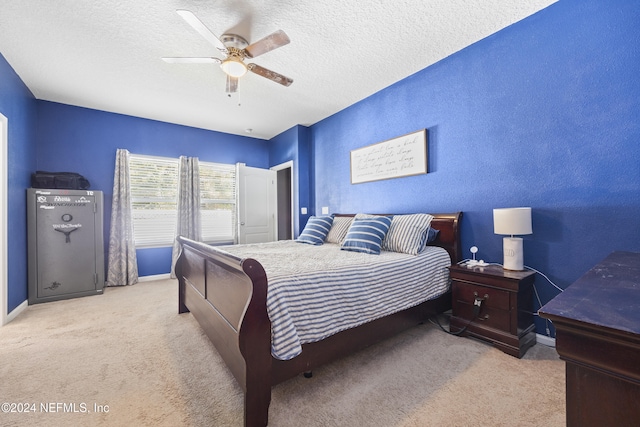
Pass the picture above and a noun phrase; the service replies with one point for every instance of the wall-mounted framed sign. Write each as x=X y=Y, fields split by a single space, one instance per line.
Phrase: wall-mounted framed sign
x=402 y=156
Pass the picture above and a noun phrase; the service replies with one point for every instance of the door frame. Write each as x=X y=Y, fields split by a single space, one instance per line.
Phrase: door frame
x=4 y=253
x=294 y=198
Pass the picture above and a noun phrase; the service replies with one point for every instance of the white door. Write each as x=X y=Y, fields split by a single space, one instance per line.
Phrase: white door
x=256 y=205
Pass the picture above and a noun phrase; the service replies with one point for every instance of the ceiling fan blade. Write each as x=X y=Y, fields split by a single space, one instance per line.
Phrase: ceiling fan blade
x=271 y=75
x=232 y=84
x=197 y=25
x=174 y=60
x=267 y=44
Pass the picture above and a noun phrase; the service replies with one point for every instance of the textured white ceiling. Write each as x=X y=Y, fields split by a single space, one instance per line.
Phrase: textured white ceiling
x=105 y=54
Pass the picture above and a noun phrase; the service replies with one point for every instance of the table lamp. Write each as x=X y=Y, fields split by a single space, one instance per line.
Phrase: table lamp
x=512 y=221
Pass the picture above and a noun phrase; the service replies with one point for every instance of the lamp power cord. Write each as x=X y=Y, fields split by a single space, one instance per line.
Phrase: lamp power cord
x=477 y=304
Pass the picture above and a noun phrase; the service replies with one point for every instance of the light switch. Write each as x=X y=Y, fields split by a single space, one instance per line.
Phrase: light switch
x=303 y=211
x=325 y=210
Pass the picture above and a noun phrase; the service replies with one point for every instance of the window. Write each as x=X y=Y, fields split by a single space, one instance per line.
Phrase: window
x=217 y=202
x=154 y=196
x=154 y=199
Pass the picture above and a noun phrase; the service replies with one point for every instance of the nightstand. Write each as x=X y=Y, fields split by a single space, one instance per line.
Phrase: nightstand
x=505 y=316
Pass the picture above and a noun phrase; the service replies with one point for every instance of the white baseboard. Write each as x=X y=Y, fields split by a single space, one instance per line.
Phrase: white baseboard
x=22 y=307
x=15 y=312
x=154 y=277
x=548 y=341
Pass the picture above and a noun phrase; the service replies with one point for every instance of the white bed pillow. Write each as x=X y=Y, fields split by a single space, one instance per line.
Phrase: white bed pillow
x=407 y=233
x=339 y=229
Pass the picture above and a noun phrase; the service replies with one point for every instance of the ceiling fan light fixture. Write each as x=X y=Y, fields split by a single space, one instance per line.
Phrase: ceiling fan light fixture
x=236 y=49
x=233 y=67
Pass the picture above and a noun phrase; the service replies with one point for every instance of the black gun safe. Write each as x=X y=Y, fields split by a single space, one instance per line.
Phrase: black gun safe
x=65 y=244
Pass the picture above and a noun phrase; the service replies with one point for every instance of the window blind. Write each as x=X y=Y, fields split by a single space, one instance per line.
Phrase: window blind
x=154 y=196
x=154 y=199
x=218 y=202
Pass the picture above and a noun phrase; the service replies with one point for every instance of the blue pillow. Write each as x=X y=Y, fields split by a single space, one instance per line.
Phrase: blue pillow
x=429 y=237
x=316 y=230
x=433 y=235
x=366 y=234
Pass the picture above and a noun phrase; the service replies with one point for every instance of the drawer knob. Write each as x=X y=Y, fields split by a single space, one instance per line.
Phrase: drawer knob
x=485 y=317
x=475 y=294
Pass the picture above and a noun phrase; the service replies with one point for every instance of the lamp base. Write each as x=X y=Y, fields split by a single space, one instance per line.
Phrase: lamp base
x=513 y=253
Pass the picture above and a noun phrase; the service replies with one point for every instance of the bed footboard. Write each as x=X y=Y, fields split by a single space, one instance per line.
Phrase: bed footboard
x=227 y=295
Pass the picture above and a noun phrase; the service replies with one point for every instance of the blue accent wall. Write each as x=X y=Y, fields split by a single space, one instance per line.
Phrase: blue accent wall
x=85 y=141
x=545 y=113
x=295 y=145
x=17 y=104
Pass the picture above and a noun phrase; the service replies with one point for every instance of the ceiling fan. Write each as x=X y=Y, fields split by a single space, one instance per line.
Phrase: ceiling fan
x=236 y=49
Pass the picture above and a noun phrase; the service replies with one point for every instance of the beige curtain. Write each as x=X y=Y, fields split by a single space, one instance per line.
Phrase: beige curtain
x=188 y=205
x=122 y=265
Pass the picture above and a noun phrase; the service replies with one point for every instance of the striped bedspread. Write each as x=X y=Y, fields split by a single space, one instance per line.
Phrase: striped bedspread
x=317 y=291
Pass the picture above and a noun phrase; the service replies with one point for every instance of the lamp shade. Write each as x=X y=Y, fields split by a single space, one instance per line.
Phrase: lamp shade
x=512 y=221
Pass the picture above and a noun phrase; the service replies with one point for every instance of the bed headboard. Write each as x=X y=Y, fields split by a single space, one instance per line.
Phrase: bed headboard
x=449 y=237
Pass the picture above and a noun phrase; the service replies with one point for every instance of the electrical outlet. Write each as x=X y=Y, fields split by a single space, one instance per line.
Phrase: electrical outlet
x=303 y=211
x=325 y=210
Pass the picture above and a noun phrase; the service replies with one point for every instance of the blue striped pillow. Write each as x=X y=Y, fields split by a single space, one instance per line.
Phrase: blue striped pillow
x=316 y=230
x=366 y=234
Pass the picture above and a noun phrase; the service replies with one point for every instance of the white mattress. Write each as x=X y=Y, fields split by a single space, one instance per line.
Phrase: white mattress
x=317 y=291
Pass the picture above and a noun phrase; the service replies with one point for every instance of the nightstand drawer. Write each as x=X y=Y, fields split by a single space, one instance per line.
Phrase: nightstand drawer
x=488 y=317
x=493 y=298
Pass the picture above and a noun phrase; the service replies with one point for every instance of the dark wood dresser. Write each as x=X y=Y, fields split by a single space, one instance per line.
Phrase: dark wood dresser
x=504 y=316
x=597 y=321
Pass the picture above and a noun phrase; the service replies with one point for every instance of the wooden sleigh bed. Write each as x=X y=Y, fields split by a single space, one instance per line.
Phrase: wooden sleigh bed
x=227 y=295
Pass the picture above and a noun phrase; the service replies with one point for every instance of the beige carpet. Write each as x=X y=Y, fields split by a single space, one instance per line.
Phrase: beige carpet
x=127 y=358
